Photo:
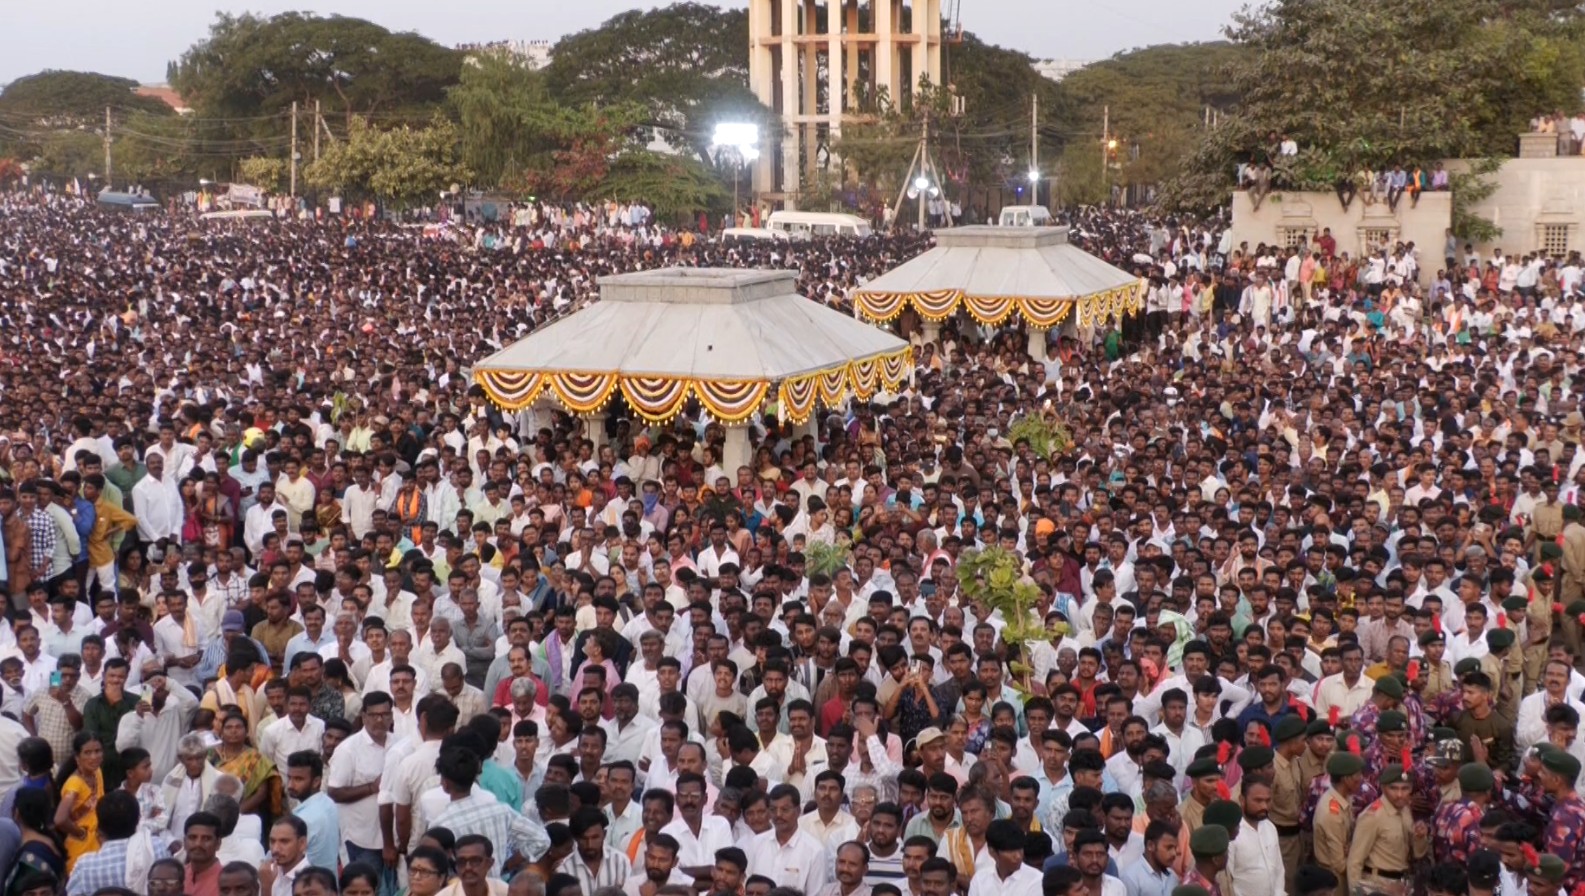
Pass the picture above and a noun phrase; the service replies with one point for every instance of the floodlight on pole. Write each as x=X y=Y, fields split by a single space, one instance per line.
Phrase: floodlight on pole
x=743 y=139
x=921 y=183
x=1034 y=176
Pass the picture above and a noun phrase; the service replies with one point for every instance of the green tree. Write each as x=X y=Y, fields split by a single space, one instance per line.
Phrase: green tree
x=584 y=140
x=259 y=171
x=35 y=107
x=1080 y=178
x=250 y=69
x=979 y=124
x=1154 y=100
x=66 y=99
x=672 y=185
x=686 y=64
x=157 y=152
x=68 y=154
x=403 y=165
x=507 y=116
x=1411 y=81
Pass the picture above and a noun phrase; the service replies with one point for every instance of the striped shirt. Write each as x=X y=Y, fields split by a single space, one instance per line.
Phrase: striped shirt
x=480 y=813
x=886 y=869
x=614 y=870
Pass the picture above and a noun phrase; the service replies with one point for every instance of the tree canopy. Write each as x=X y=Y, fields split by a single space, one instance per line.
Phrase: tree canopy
x=1371 y=85
x=506 y=115
x=63 y=99
x=405 y=164
x=250 y=66
x=687 y=64
x=36 y=109
x=1156 y=96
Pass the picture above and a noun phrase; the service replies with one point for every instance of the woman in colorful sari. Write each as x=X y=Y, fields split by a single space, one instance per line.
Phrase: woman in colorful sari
x=261 y=783
x=83 y=786
x=42 y=851
x=218 y=513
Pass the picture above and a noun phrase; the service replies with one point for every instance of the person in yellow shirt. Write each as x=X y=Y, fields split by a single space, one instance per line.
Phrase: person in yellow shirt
x=109 y=520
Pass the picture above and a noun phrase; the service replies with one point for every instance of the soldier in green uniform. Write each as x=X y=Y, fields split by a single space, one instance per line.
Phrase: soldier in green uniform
x=1229 y=816
x=1538 y=616
x=1436 y=673
x=1546 y=878
x=1505 y=667
x=1206 y=775
x=1208 y=846
x=1387 y=840
x=1287 y=794
x=1334 y=816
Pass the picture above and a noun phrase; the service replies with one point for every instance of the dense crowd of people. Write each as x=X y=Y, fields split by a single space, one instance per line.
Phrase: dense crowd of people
x=294 y=608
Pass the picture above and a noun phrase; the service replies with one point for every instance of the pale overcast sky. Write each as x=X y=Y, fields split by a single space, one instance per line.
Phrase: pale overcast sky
x=135 y=38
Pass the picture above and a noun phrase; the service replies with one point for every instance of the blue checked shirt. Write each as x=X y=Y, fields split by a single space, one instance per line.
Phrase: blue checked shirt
x=481 y=813
x=97 y=870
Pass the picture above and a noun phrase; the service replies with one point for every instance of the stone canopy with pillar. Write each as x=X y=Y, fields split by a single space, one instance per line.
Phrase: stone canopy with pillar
x=993 y=273
x=740 y=342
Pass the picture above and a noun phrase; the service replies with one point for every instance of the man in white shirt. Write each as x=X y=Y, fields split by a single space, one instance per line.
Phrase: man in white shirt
x=157 y=504
x=785 y=854
x=698 y=835
x=1532 y=709
x=258 y=521
x=179 y=641
x=828 y=823
x=359 y=502
x=1254 y=858
x=1005 y=843
x=660 y=866
x=298 y=731
x=353 y=782
x=297 y=491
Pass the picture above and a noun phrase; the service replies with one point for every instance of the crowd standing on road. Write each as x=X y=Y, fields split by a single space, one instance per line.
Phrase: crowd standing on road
x=294 y=609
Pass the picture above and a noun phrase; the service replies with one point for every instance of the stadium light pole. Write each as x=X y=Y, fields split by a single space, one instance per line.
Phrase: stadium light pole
x=743 y=139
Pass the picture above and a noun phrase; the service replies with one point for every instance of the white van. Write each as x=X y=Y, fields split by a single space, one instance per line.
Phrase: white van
x=1026 y=216
x=805 y=225
x=239 y=214
x=752 y=233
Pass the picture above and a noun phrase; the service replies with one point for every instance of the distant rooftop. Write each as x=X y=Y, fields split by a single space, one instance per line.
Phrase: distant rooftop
x=1057 y=69
x=165 y=94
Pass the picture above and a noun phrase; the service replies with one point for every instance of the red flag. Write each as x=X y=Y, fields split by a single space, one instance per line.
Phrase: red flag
x=1222 y=791
x=1333 y=715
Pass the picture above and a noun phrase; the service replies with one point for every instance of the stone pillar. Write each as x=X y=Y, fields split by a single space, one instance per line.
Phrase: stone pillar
x=810 y=427
x=932 y=332
x=737 y=452
x=594 y=425
x=1037 y=342
x=792 y=166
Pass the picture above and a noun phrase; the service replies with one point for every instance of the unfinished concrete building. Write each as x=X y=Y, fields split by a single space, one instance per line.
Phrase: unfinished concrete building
x=821 y=63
